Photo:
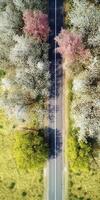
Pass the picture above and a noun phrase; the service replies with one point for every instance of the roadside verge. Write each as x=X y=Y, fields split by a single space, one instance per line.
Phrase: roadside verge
x=66 y=93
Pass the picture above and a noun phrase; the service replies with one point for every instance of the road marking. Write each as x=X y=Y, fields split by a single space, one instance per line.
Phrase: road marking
x=55 y=91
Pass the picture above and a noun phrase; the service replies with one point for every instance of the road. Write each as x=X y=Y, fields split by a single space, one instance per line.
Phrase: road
x=55 y=167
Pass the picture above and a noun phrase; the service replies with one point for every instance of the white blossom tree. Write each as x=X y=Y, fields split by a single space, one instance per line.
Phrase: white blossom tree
x=85 y=18
x=85 y=108
x=88 y=81
x=30 y=4
x=86 y=116
x=34 y=79
x=25 y=47
x=24 y=60
x=10 y=24
x=23 y=89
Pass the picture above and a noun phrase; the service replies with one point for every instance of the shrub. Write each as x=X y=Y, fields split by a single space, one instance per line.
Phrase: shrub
x=71 y=47
x=36 y=24
x=2 y=73
x=78 y=155
x=30 y=150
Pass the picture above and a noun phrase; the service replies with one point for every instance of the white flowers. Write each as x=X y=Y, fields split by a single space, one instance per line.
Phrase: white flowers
x=85 y=18
x=40 y=66
x=20 y=51
x=5 y=83
x=78 y=85
x=85 y=108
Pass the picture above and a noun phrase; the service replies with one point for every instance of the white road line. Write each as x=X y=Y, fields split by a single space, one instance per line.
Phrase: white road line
x=55 y=91
x=47 y=179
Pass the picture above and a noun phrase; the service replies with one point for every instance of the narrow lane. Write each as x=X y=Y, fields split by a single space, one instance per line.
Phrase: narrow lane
x=55 y=105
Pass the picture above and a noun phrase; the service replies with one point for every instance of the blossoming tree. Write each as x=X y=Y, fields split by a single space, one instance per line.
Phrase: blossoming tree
x=71 y=47
x=36 y=24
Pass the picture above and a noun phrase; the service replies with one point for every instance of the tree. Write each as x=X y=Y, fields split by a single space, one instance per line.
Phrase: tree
x=27 y=48
x=85 y=18
x=15 y=103
x=85 y=108
x=10 y=24
x=24 y=60
x=36 y=24
x=85 y=104
x=30 y=4
x=24 y=88
x=3 y=4
x=33 y=79
x=71 y=47
x=88 y=81
x=30 y=149
x=94 y=42
x=31 y=71
x=85 y=113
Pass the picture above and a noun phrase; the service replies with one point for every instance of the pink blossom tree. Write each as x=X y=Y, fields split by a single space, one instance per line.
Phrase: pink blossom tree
x=71 y=47
x=36 y=24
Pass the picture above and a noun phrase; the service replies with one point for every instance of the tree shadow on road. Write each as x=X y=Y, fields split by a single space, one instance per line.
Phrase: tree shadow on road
x=54 y=142
x=51 y=110
x=56 y=73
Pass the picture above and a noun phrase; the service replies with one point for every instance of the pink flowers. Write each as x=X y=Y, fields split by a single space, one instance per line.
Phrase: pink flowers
x=71 y=47
x=36 y=24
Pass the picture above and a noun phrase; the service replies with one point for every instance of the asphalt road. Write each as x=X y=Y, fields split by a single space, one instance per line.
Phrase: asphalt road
x=55 y=179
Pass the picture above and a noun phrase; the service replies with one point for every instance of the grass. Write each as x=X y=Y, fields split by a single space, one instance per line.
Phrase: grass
x=67 y=95
x=85 y=186
x=16 y=184
x=81 y=185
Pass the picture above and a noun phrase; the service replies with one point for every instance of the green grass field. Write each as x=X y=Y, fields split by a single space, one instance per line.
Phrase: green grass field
x=85 y=186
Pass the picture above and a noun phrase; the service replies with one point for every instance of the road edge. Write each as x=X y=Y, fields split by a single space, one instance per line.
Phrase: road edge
x=66 y=79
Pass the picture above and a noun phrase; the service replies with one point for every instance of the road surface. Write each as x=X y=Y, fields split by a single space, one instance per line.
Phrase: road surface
x=55 y=168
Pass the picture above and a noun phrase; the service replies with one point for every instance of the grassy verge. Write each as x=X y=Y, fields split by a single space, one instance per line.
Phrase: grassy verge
x=84 y=180
x=67 y=96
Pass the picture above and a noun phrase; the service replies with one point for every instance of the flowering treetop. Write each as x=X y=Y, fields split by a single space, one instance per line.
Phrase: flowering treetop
x=36 y=24
x=71 y=47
